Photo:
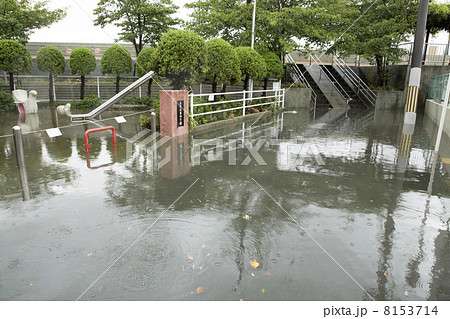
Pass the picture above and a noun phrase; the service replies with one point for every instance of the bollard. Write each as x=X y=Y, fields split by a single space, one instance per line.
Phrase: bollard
x=153 y=122
x=20 y=158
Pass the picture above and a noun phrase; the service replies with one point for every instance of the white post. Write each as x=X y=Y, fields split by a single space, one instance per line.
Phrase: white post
x=284 y=93
x=140 y=92
x=443 y=115
x=98 y=86
x=201 y=88
x=54 y=89
x=252 y=45
x=243 y=104
x=192 y=105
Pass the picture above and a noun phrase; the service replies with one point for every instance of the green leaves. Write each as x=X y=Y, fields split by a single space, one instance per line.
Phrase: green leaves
x=180 y=56
x=14 y=57
x=51 y=59
x=222 y=61
x=21 y=17
x=273 y=65
x=82 y=61
x=116 y=60
x=142 y=22
x=146 y=61
x=252 y=64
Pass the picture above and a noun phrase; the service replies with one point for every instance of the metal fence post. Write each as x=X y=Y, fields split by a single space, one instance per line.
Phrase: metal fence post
x=98 y=86
x=20 y=158
x=153 y=119
x=243 y=104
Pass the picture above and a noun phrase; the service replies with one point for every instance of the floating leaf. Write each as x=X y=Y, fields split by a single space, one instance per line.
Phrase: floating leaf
x=254 y=263
x=241 y=299
x=220 y=187
x=200 y=268
x=130 y=228
x=209 y=254
x=89 y=255
x=199 y=200
x=385 y=273
x=267 y=274
x=253 y=275
x=202 y=186
x=263 y=291
x=204 y=246
x=406 y=293
x=199 y=290
x=189 y=256
x=247 y=217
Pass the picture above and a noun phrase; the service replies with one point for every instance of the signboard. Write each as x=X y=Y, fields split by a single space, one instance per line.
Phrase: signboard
x=180 y=113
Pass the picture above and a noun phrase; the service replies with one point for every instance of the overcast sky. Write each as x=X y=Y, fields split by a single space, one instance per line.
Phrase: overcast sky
x=78 y=26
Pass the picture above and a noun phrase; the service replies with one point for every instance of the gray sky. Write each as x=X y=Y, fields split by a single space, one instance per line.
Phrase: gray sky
x=79 y=27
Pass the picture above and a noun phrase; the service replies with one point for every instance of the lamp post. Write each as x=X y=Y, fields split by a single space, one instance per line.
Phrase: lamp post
x=252 y=45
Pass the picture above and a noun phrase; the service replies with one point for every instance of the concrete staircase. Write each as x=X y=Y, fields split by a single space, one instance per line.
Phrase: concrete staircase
x=322 y=101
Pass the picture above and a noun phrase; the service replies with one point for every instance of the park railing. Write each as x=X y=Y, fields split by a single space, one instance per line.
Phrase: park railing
x=216 y=106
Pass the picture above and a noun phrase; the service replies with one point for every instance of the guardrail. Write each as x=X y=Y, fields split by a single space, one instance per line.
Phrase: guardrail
x=337 y=86
x=361 y=88
x=300 y=77
x=277 y=98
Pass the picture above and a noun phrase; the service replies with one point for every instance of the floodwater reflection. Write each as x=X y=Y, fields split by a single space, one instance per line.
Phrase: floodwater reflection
x=347 y=179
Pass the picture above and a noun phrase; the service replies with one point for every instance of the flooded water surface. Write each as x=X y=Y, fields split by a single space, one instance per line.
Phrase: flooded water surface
x=345 y=207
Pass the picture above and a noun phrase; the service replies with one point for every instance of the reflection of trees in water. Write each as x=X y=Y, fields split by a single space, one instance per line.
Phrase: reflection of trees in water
x=440 y=285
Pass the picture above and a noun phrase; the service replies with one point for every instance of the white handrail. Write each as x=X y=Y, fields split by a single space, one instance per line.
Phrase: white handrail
x=362 y=87
x=278 y=95
x=333 y=80
x=302 y=78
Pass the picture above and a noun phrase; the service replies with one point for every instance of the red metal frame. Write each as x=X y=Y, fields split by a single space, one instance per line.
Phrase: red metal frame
x=86 y=135
x=88 y=160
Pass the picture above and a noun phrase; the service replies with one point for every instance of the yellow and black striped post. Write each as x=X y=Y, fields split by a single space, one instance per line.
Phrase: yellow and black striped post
x=416 y=65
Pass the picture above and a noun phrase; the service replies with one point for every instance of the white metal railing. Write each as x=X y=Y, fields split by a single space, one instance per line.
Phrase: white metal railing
x=298 y=76
x=361 y=88
x=277 y=95
x=335 y=83
x=436 y=53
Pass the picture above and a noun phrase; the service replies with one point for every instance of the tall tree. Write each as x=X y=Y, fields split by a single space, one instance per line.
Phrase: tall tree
x=116 y=60
x=19 y=18
x=142 y=21
x=51 y=59
x=252 y=64
x=180 y=56
x=14 y=58
x=145 y=63
x=274 y=67
x=382 y=26
x=82 y=61
x=222 y=63
x=438 y=20
x=279 y=23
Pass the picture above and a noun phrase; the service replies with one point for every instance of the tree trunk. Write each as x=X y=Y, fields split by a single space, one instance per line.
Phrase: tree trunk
x=117 y=84
x=11 y=81
x=246 y=82
x=50 y=89
x=224 y=90
x=266 y=83
x=82 y=87
x=426 y=47
x=149 y=87
x=380 y=71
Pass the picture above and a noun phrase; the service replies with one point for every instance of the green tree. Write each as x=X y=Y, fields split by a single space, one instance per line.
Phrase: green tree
x=82 y=61
x=278 y=22
x=180 y=56
x=19 y=18
x=145 y=63
x=116 y=60
x=14 y=58
x=274 y=67
x=378 y=32
x=438 y=20
x=51 y=59
x=142 y=21
x=252 y=64
x=223 y=64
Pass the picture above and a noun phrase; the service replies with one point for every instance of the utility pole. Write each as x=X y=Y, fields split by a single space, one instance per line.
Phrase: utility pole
x=416 y=65
x=252 y=45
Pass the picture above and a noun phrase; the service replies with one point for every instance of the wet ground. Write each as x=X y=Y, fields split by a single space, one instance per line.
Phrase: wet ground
x=341 y=208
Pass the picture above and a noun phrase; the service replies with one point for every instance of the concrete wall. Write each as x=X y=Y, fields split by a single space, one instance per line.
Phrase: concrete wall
x=389 y=100
x=434 y=111
x=297 y=98
x=399 y=76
